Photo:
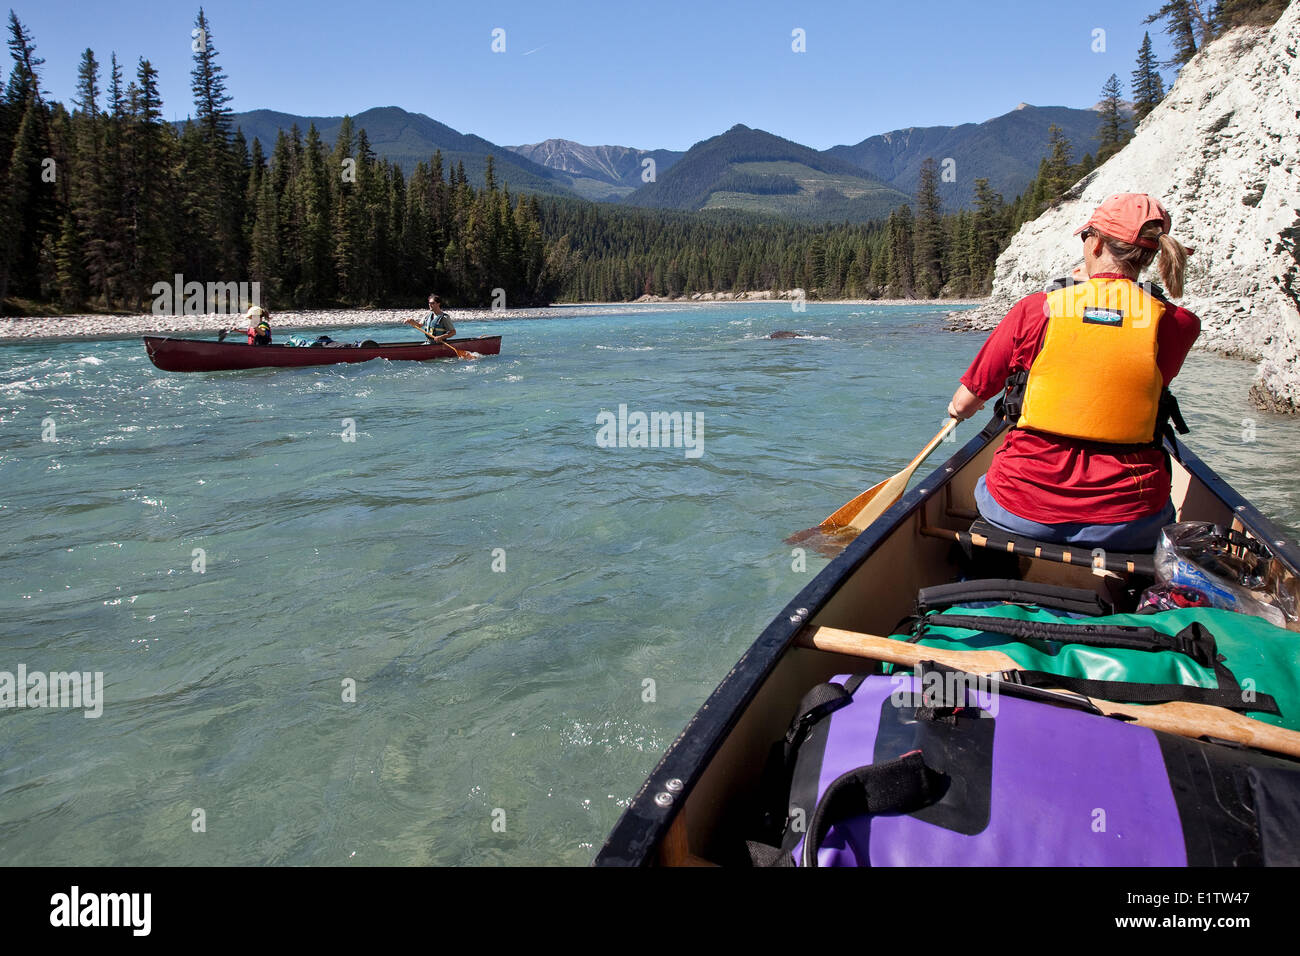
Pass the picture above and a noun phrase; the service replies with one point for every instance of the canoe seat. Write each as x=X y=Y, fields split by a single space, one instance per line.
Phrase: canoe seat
x=984 y=535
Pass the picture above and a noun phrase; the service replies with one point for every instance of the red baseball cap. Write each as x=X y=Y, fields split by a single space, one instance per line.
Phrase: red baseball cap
x=1123 y=216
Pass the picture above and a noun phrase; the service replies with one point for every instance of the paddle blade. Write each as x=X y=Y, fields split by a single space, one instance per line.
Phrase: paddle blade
x=832 y=535
x=882 y=502
x=845 y=515
x=828 y=544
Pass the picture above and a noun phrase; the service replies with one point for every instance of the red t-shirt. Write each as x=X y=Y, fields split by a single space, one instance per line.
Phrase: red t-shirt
x=1052 y=479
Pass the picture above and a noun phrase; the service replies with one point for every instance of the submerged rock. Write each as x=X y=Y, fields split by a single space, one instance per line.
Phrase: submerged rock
x=784 y=335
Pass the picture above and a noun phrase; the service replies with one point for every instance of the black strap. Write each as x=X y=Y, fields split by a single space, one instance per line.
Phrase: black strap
x=1169 y=418
x=1230 y=698
x=1073 y=600
x=1012 y=402
x=766 y=856
x=1194 y=641
x=814 y=706
x=999 y=685
x=898 y=786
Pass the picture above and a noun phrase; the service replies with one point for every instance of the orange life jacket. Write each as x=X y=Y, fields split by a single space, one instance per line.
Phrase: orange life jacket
x=1095 y=376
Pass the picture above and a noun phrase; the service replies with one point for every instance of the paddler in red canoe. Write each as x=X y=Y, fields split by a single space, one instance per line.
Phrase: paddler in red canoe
x=259 y=330
x=1086 y=367
x=436 y=324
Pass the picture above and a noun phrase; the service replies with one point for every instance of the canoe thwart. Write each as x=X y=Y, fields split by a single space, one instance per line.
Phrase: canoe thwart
x=982 y=535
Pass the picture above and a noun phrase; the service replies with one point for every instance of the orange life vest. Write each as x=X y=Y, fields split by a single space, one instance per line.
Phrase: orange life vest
x=1095 y=376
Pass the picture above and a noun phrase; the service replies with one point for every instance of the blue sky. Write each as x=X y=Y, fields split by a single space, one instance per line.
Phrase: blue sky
x=650 y=75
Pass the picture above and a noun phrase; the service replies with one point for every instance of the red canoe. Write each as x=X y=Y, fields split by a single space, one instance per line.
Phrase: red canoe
x=194 y=355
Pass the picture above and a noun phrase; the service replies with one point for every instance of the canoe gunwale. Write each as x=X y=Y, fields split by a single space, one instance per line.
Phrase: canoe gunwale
x=1260 y=526
x=177 y=354
x=644 y=824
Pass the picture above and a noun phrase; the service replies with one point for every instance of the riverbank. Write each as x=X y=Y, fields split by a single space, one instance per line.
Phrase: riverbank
x=79 y=327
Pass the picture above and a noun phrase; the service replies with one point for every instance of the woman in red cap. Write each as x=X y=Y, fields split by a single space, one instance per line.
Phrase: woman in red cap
x=1086 y=365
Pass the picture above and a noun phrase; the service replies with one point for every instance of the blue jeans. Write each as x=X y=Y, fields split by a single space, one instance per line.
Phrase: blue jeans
x=1138 y=535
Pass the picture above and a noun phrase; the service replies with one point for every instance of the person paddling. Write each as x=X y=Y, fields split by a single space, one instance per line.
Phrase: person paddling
x=259 y=331
x=1086 y=367
x=437 y=325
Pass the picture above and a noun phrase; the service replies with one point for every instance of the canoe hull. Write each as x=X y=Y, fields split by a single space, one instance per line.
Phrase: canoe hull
x=194 y=355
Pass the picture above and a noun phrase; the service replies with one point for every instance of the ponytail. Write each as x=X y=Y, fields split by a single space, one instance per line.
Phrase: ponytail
x=1173 y=256
x=1173 y=264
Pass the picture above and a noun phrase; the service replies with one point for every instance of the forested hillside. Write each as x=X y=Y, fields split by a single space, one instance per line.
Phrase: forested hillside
x=753 y=170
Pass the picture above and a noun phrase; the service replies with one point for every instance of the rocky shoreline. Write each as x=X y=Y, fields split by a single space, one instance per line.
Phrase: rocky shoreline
x=75 y=327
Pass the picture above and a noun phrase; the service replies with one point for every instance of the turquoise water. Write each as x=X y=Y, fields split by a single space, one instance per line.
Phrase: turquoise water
x=500 y=716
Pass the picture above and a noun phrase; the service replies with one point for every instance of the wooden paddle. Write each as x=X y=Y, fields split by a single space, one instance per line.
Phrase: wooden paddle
x=460 y=353
x=876 y=500
x=1175 y=717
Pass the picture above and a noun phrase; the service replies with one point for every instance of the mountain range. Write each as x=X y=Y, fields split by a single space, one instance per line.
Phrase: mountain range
x=407 y=138
x=743 y=168
x=1004 y=150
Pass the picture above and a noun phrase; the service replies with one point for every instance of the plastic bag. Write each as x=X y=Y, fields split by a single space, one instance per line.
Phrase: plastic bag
x=1228 y=569
x=1170 y=597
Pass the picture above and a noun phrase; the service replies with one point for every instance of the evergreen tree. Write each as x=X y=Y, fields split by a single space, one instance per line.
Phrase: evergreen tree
x=988 y=226
x=1058 y=163
x=1181 y=27
x=147 y=190
x=72 y=283
x=927 y=255
x=266 y=250
x=814 y=267
x=1148 y=87
x=87 y=97
x=1228 y=14
x=1111 y=135
x=901 y=276
x=110 y=241
x=312 y=221
x=213 y=167
x=28 y=206
x=24 y=81
x=346 y=233
x=208 y=84
x=83 y=264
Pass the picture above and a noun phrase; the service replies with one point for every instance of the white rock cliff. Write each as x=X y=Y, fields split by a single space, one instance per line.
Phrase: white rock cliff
x=1222 y=152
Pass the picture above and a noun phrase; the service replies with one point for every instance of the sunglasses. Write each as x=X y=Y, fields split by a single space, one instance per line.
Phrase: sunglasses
x=1086 y=235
